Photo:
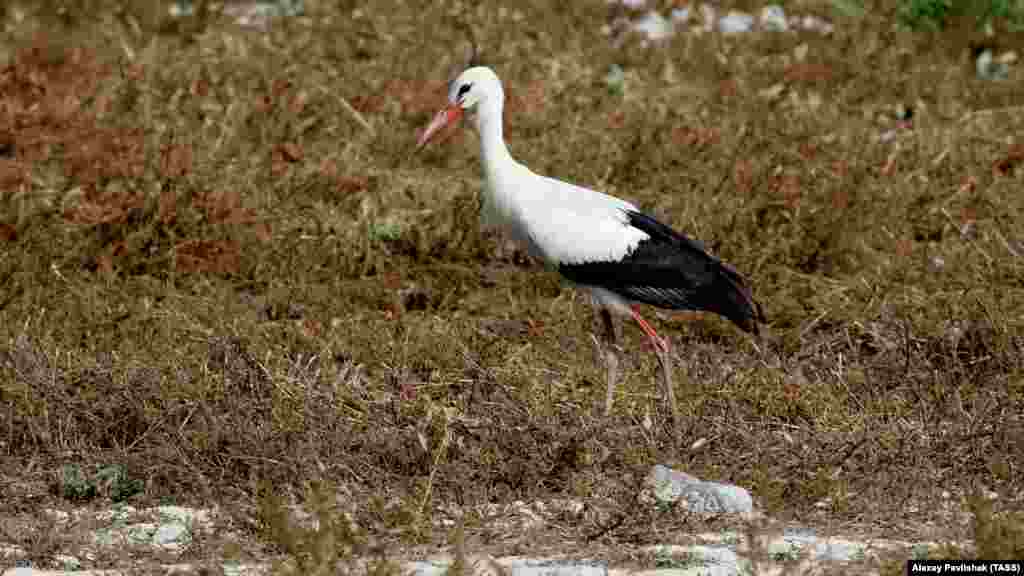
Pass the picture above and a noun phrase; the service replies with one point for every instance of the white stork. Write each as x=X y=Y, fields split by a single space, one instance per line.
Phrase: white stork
x=599 y=242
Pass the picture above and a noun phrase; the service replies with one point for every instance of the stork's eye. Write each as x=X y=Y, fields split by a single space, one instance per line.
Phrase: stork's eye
x=463 y=89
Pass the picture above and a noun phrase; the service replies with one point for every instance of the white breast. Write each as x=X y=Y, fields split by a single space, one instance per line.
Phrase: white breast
x=560 y=222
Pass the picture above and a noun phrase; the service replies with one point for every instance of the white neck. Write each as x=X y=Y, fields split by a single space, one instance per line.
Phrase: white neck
x=495 y=154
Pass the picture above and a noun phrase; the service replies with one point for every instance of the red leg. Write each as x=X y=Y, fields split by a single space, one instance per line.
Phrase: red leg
x=658 y=342
x=661 y=347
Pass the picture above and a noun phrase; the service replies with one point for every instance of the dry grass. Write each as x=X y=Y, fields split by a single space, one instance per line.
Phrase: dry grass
x=222 y=266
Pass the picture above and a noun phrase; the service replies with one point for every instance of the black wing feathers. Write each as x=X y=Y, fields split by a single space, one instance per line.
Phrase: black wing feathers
x=672 y=271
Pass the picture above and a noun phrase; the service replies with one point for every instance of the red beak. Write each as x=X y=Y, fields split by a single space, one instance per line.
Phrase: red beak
x=448 y=115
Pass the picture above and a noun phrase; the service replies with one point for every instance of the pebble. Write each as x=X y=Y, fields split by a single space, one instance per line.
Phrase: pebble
x=773 y=18
x=736 y=23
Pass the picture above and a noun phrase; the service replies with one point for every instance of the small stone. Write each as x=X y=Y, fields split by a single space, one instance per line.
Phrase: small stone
x=258 y=14
x=773 y=18
x=698 y=559
x=888 y=135
x=701 y=497
x=172 y=535
x=681 y=15
x=988 y=68
x=58 y=516
x=793 y=546
x=815 y=24
x=736 y=23
x=654 y=26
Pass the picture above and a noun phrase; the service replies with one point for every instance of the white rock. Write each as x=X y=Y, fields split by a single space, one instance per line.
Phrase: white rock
x=633 y=4
x=58 y=516
x=736 y=23
x=258 y=14
x=818 y=549
x=773 y=18
x=698 y=561
x=171 y=531
x=888 y=135
x=654 y=26
x=173 y=535
x=701 y=497
x=815 y=24
x=989 y=68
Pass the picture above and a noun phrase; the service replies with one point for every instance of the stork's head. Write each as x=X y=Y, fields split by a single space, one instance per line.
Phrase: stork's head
x=475 y=88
